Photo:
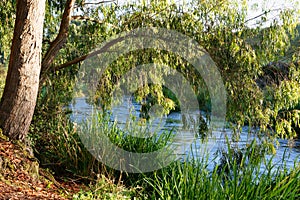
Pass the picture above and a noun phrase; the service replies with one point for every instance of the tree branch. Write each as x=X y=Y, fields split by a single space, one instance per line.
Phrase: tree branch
x=81 y=58
x=59 y=41
x=97 y=3
x=262 y=14
x=80 y=17
x=82 y=3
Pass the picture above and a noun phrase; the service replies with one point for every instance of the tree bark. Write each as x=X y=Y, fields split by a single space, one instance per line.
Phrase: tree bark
x=22 y=81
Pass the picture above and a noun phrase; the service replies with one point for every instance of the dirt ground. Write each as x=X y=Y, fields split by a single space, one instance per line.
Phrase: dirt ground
x=21 y=178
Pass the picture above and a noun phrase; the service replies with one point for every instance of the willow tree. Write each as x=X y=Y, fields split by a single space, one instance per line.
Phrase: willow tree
x=240 y=50
x=219 y=26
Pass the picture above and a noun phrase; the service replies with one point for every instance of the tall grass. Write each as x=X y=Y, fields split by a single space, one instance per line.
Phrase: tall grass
x=58 y=147
x=236 y=179
x=239 y=174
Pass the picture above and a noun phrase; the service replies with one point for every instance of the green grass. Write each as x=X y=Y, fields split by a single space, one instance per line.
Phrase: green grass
x=238 y=180
x=237 y=175
x=106 y=188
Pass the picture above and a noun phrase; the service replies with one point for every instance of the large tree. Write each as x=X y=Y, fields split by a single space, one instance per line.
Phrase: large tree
x=21 y=88
x=27 y=69
x=26 y=65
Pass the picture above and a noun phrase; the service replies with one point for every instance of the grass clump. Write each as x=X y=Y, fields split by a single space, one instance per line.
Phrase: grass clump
x=240 y=178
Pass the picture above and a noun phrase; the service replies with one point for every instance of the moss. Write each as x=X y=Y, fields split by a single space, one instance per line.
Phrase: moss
x=3 y=137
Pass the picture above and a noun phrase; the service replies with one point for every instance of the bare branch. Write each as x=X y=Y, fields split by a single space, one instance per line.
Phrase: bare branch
x=59 y=41
x=83 y=3
x=262 y=14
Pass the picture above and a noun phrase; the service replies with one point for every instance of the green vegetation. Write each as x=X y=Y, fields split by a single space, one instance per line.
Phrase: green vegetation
x=2 y=79
x=193 y=181
x=239 y=174
x=260 y=68
x=105 y=188
x=7 y=14
x=239 y=52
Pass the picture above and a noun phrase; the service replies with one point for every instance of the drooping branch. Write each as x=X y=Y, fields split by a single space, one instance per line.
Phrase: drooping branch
x=59 y=41
x=105 y=48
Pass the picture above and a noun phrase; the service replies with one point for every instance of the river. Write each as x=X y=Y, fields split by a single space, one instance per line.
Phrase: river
x=287 y=152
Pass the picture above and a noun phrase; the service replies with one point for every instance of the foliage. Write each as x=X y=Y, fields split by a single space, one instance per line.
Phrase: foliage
x=235 y=175
x=2 y=79
x=57 y=142
x=239 y=52
x=230 y=42
x=106 y=189
x=281 y=98
x=7 y=16
x=58 y=147
x=294 y=49
x=244 y=56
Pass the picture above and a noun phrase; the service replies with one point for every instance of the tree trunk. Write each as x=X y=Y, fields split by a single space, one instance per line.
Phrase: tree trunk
x=22 y=81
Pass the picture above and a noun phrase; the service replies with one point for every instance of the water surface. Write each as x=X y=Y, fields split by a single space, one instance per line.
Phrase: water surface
x=287 y=152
